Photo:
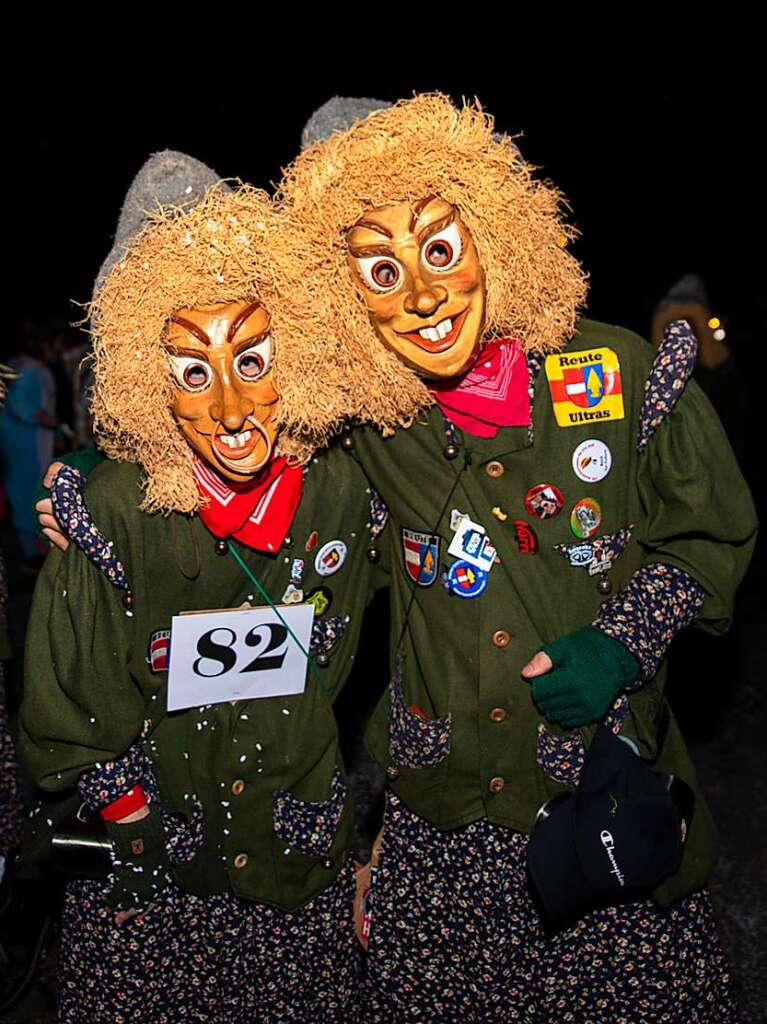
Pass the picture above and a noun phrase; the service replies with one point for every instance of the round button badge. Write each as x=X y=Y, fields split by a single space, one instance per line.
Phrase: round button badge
x=466 y=580
x=330 y=557
x=592 y=460
x=544 y=501
x=585 y=518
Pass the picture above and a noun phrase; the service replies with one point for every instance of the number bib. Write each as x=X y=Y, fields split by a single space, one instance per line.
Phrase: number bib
x=238 y=654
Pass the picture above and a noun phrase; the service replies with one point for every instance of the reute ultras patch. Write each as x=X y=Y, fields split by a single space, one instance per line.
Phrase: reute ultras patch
x=585 y=386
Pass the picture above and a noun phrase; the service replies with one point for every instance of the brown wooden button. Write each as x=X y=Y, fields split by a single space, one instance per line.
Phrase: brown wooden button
x=499 y=715
x=496 y=785
x=238 y=786
x=392 y=772
x=137 y=847
x=494 y=469
x=241 y=860
x=501 y=638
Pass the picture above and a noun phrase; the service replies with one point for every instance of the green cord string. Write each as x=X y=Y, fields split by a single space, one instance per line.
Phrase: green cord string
x=248 y=572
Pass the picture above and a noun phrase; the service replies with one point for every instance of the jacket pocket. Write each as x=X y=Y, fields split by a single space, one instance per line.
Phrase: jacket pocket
x=310 y=826
x=562 y=757
x=184 y=835
x=415 y=741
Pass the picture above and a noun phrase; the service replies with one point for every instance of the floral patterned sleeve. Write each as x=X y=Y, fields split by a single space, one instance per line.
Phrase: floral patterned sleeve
x=699 y=519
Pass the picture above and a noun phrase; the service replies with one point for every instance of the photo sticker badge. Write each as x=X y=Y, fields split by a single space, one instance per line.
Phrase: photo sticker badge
x=585 y=386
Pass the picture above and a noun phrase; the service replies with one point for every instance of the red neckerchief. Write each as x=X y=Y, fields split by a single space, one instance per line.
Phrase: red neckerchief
x=258 y=513
x=492 y=394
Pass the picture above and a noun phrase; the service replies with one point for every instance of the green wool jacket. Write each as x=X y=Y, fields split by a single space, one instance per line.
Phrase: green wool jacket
x=464 y=740
x=90 y=687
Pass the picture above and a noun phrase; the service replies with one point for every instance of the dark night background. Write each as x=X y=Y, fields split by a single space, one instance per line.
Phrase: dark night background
x=658 y=152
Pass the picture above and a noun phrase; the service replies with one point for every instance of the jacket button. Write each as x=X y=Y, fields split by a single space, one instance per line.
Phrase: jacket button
x=496 y=785
x=238 y=786
x=221 y=547
x=327 y=863
x=501 y=638
x=499 y=715
x=392 y=772
x=494 y=468
x=241 y=860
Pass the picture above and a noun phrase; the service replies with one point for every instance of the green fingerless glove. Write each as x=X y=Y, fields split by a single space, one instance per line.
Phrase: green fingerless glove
x=140 y=867
x=589 y=670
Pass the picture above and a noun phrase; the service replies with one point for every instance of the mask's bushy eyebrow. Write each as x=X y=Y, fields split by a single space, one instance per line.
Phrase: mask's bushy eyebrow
x=240 y=319
x=193 y=328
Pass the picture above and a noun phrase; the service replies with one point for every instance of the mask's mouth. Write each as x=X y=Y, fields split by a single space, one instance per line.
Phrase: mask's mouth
x=437 y=337
x=232 y=450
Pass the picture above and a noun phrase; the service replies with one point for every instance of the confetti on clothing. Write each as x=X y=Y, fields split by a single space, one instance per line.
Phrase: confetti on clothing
x=456 y=938
x=670 y=372
x=217 y=959
x=658 y=602
x=76 y=522
x=107 y=782
x=310 y=826
x=414 y=740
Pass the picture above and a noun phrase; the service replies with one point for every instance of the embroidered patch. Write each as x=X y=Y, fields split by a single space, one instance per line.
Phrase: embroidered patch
x=421 y=554
x=527 y=542
x=585 y=386
x=306 y=825
x=598 y=555
x=159 y=650
x=415 y=741
x=671 y=369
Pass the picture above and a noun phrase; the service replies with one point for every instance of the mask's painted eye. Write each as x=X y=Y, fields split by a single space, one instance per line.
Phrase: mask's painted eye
x=254 y=361
x=380 y=273
x=189 y=373
x=442 y=251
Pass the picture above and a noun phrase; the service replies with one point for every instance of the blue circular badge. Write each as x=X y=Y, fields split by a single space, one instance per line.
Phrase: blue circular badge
x=466 y=580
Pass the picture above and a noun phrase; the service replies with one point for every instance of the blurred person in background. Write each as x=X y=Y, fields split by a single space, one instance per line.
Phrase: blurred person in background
x=28 y=425
x=715 y=370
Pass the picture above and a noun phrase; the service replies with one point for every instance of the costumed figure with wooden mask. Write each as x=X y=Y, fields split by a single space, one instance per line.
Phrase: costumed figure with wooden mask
x=565 y=507
x=230 y=892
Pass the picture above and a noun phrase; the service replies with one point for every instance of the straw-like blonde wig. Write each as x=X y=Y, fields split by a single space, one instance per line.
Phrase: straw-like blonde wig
x=232 y=245
x=422 y=147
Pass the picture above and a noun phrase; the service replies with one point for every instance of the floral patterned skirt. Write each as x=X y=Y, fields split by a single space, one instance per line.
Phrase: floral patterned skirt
x=218 y=959
x=456 y=937
x=10 y=786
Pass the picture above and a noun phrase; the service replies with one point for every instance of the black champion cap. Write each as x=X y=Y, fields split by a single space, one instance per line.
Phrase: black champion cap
x=619 y=835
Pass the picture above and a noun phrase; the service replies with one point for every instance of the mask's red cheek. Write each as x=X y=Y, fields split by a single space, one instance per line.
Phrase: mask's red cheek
x=466 y=279
x=383 y=309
